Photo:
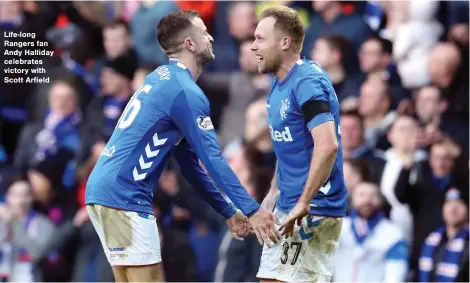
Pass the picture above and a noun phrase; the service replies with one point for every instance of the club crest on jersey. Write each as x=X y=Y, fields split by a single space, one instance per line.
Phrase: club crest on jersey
x=284 y=107
x=205 y=123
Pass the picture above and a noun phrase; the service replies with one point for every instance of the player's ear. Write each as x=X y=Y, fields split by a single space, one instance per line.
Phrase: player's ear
x=189 y=44
x=286 y=42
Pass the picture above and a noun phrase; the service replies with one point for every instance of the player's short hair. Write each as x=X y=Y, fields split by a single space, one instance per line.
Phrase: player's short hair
x=339 y=43
x=288 y=21
x=171 y=28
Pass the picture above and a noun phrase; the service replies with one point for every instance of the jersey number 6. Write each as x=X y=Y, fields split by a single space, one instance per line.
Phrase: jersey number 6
x=132 y=108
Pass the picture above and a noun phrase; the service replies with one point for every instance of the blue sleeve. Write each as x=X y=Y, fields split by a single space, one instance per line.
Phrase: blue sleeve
x=314 y=89
x=399 y=251
x=190 y=112
x=189 y=165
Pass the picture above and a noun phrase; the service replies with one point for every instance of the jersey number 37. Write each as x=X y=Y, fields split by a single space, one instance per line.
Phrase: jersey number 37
x=132 y=108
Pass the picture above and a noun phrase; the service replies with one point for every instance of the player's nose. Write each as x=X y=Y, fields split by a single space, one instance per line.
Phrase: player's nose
x=254 y=47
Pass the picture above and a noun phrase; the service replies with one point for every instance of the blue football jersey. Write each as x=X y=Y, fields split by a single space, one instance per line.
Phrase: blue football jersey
x=293 y=142
x=168 y=114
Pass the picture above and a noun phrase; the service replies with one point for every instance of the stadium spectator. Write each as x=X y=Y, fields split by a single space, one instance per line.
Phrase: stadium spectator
x=444 y=255
x=375 y=108
x=330 y=19
x=257 y=132
x=449 y=73
x=375 y=61
x=236 y=91
x=413 y=37
x=430 y=105
x=104 y=110
x=331 y=52
x=16 y=98
x=117 y=41
x=241 y=25
x=457 y=21
x=422 y=186
x=143 y=26
x=26 y=234
x=67 y=63
x=403 y=137
x=359 y=258
x=355 y=172
x=352 y=137
x=58 y=134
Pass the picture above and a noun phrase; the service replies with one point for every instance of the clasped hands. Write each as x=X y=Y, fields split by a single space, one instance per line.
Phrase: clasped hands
x=239 y=226
x=262 y=224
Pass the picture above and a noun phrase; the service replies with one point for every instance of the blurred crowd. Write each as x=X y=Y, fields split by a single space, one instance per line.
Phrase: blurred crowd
x=400 y=72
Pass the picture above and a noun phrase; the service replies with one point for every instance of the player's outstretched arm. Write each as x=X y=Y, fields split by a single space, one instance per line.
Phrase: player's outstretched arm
x=191 y=169
x=188 y=163
x=190 y=112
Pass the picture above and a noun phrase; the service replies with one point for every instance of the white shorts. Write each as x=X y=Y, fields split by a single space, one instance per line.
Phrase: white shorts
x=307 y=255
x=128 y=237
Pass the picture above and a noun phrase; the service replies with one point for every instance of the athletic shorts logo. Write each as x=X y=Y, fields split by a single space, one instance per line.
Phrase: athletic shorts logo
x=205 y=123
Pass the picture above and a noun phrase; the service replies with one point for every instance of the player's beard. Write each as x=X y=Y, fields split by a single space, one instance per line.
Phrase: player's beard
x=270 y=64
x=206 y=56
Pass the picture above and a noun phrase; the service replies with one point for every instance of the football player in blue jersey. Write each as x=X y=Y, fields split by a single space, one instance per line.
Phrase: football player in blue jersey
x=308 y=193
x=168 y=115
